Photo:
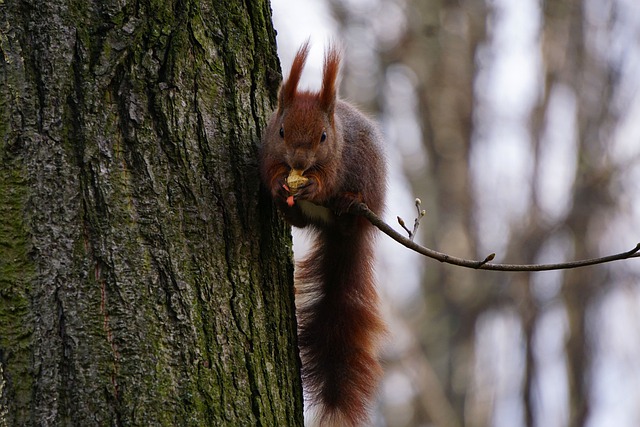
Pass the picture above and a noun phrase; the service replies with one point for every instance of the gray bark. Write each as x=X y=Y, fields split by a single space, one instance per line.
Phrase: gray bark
x=144 y=277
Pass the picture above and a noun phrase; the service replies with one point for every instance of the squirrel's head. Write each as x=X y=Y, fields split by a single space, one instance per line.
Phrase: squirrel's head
x=306 y=124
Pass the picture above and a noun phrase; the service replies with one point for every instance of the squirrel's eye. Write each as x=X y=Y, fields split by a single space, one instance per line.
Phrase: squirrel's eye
x=281 y=132
x=323 y=138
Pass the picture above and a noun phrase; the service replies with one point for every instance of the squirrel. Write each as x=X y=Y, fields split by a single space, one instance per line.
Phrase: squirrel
x=320 y=156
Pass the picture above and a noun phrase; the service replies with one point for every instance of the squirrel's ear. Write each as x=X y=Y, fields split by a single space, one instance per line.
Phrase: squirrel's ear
x=328 y=92
x=289 y=87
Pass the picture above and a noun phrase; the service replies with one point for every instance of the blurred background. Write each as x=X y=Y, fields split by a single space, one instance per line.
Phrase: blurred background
x=517 y=123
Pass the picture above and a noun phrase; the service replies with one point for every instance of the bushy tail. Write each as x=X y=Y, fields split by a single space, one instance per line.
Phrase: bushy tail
x=339 y=325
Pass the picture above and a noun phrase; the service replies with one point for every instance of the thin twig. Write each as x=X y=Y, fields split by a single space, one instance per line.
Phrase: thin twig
x=363 y=209
x=402 y=224
x=419 y=216
x=416 y=222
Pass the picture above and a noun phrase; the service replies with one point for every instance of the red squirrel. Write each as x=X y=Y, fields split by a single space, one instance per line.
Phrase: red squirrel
x=334 y=154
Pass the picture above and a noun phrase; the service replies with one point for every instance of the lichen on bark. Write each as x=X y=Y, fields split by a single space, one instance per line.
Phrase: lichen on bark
x=147 y=279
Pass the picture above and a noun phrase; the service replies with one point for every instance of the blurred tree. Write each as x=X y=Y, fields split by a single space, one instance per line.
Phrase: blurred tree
x=144 y=280
x=440 y=47
x=580 y=92
x=592 y=81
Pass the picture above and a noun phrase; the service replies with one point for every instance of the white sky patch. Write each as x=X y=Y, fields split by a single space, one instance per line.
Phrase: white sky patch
x=297 y=21
x=616 y=375
x=558 y=154
x=506 y=90
x=499 y=366
x=551 y=394
x=401 y=267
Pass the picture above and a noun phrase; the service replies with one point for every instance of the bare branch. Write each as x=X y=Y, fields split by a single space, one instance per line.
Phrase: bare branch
x=402 y=224
x=416 y=222
x=363 y=209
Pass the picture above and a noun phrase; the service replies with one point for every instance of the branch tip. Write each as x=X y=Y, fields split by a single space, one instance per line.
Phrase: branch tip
x=489 y=258
x=363 y=209
x=401 y=222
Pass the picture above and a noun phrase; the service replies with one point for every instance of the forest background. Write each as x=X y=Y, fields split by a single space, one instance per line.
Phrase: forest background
x=518 y=126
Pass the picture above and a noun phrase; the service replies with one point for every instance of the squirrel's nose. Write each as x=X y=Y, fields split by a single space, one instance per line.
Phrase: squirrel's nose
x=298 y=164
x=299 y=159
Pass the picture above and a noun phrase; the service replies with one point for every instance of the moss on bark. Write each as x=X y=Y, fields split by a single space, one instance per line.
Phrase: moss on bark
x=148 y=280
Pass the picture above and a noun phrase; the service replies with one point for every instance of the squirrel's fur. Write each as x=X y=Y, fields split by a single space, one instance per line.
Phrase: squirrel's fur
x=340 y=152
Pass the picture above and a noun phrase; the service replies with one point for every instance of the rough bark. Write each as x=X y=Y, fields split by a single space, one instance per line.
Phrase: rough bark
x=144 y=278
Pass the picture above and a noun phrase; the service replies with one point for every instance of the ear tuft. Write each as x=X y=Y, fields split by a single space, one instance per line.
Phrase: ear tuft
x=328 y=92
x=290 y=86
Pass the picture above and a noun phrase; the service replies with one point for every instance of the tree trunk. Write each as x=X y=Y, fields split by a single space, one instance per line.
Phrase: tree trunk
x=144 y=278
